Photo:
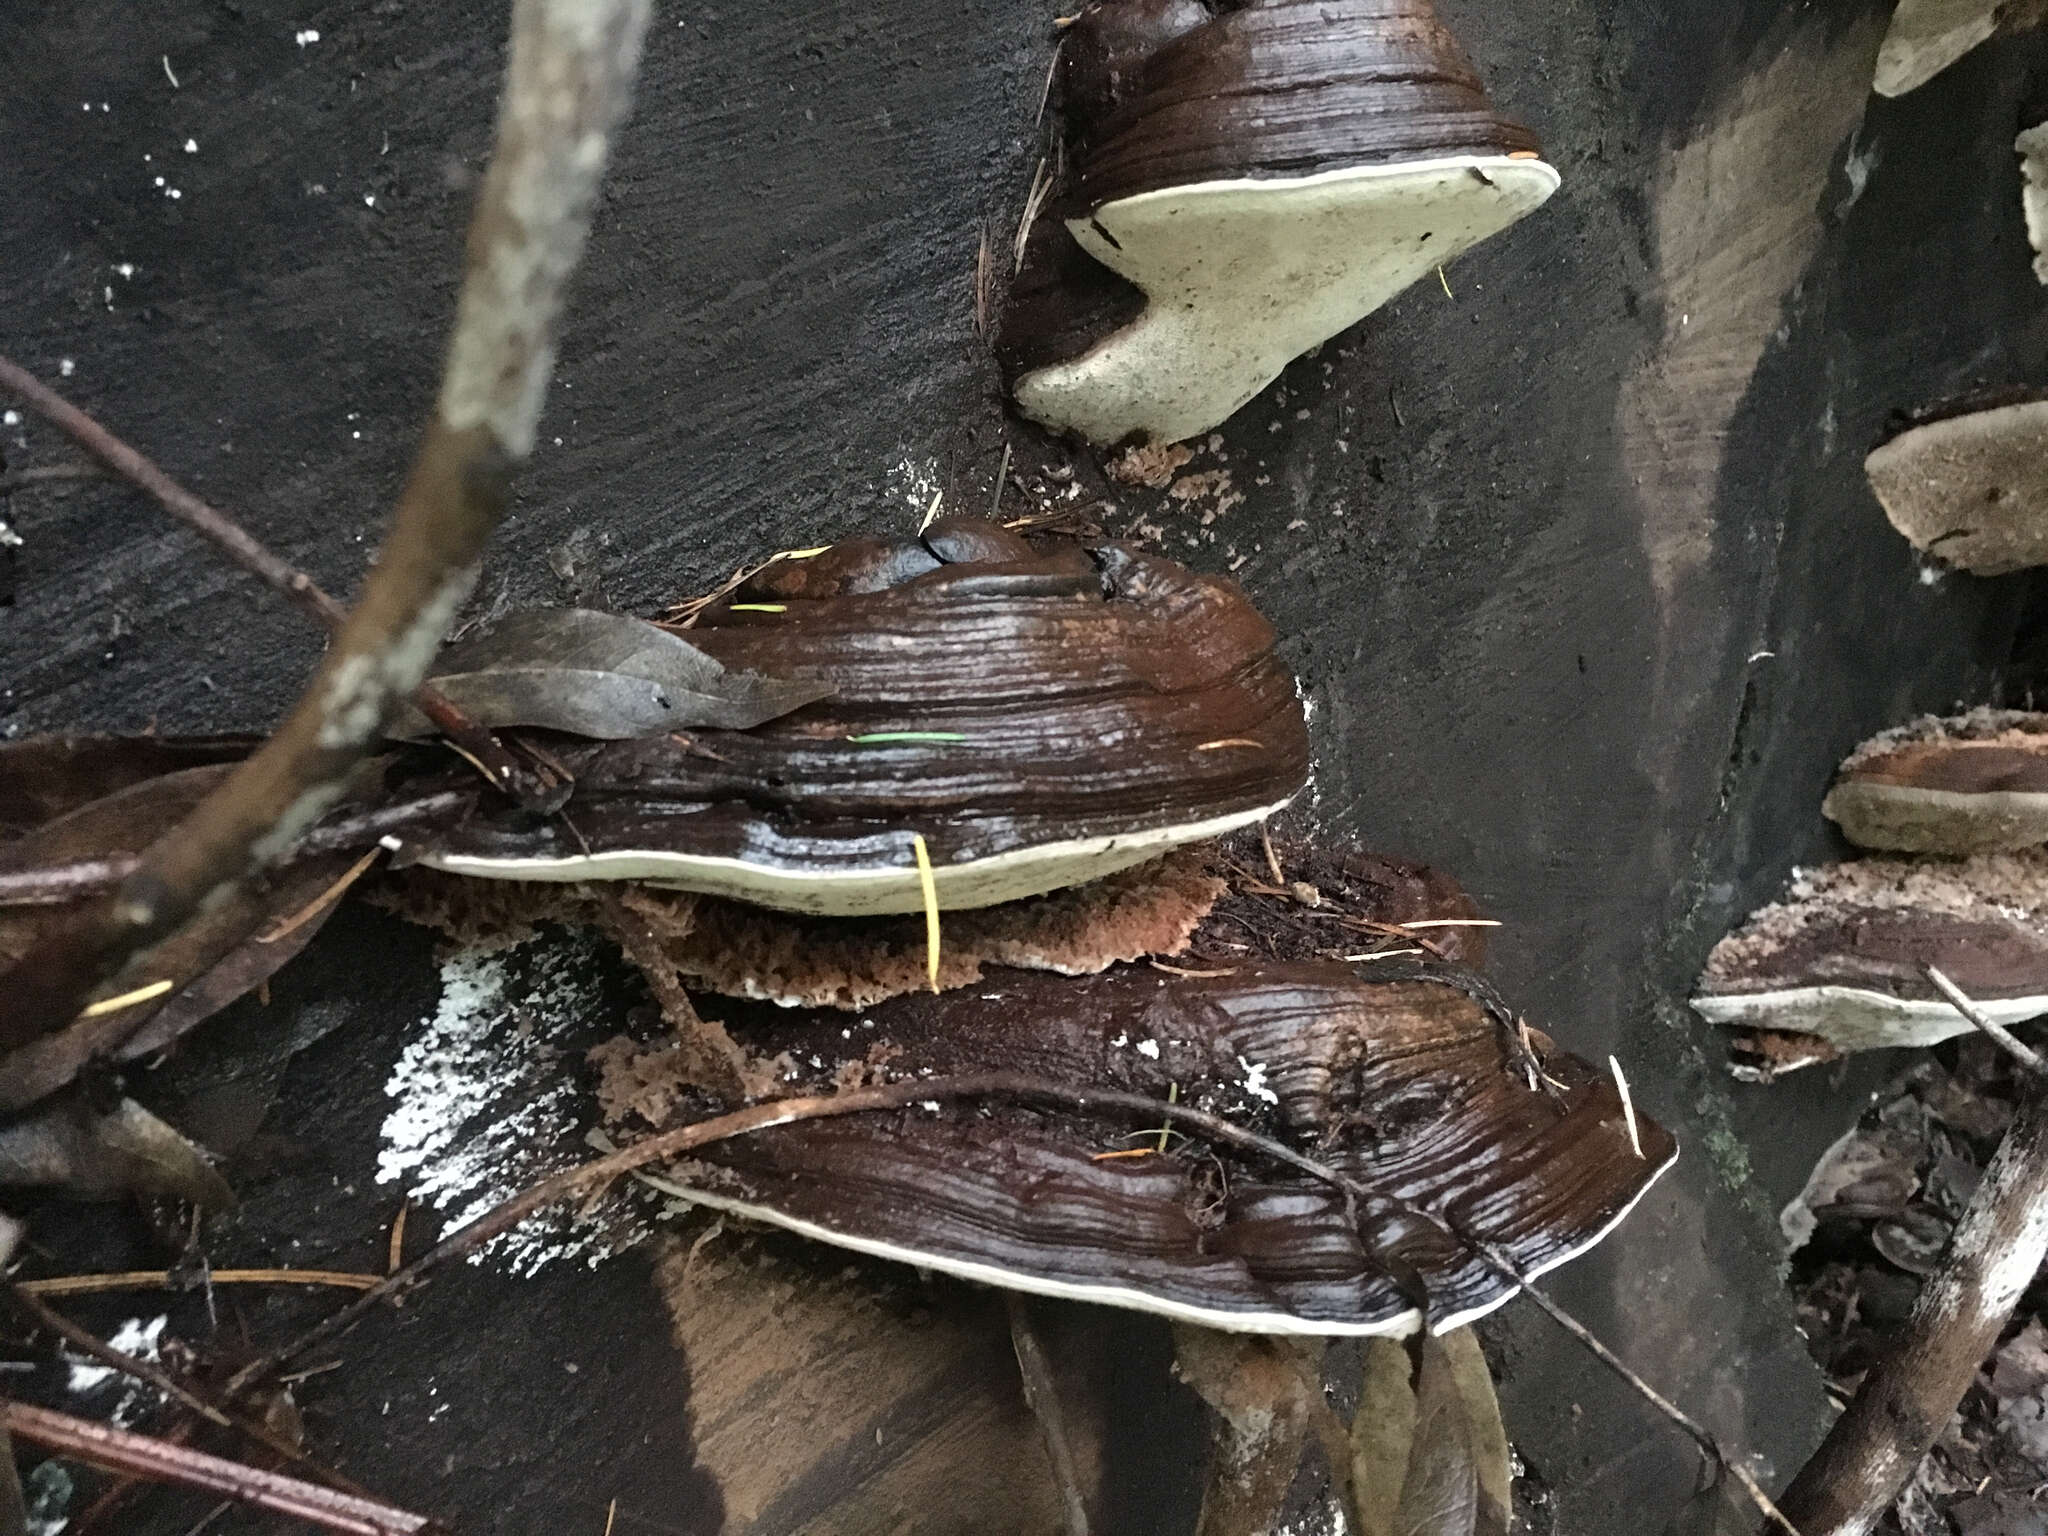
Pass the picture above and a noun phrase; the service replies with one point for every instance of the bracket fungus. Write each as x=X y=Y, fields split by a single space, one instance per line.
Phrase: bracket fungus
x=1972 y=783
x=1844 y=957
x=1039 y=719
x=1926 y=36
x=1406 y=1076
x=1235 y=184
x=1406 y=1085
x=2032 y=147
x=1968 y=483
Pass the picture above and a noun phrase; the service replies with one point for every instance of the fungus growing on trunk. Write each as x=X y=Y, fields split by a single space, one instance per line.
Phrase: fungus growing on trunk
x=1969 y=484
x=2032 y=148
x=1039 y=720
x=1405 y=1085
x=1973 y=783
x=1235 y=186
x=1926 y=36
x=1844 y=957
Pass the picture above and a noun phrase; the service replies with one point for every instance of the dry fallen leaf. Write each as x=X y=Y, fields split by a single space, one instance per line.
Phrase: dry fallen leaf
x=607 y=676
x=91 y=1155
x=1429 y=1456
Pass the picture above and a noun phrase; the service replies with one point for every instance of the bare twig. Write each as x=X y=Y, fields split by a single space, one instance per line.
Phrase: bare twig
x=120 y=1450
x=1042 y=1397
x=1502 y=1265
x=2005 y=1039
x=1909 y=1396
x=253 y=556
x=571 y=72
x=89 y=1344
x=53 y=884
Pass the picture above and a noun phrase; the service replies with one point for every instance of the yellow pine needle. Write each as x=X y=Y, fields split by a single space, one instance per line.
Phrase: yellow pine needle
x=107 y=1005
x=930 y=887
x=1172 y=1097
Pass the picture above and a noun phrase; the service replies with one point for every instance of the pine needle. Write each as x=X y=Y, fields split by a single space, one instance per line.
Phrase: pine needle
x=930 y=887
x=151 y=1279
x=109 y=1005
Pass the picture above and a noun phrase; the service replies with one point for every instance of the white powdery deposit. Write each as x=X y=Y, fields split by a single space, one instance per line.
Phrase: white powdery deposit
x=485 y=1097
x=138 y=1338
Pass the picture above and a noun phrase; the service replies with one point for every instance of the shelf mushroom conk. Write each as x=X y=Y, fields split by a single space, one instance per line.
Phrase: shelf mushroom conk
x=1038 y=716
x=1844 y=958
x=1971 y=783
x=1965 y=482
x=1401 y=1079
x=1235 y=185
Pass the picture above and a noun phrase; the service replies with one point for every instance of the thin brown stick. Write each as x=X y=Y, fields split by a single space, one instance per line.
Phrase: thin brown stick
x=1502 y=1265
x=1909 y=1396
x=1042 y=1397
x=290 y=925
x=94 y=1347
x=143 y=1456
x=47 y=885
x=570 y=75
x=162 y=1279
x=251 y=554
x=91 y=1345
x=2004 y=1038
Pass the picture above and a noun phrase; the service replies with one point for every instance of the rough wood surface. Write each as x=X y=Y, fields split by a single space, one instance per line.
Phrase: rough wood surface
x=1527 y=633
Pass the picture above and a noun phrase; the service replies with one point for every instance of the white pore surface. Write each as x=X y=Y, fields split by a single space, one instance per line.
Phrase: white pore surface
x=1927 y=36
x=1243 y=276
x=1856 y=1018
x=1108 y=1293
x=864 y=892
x=2032 y=147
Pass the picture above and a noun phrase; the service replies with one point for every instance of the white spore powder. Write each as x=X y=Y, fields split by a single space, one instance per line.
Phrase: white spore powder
x=486 y=1098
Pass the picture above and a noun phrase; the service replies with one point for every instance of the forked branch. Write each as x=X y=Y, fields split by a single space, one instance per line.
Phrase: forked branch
x=567 y=86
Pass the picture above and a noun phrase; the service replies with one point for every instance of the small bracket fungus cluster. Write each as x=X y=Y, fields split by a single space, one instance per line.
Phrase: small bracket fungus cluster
x=859 y=747
x=1233 y=185
x=1842 y=964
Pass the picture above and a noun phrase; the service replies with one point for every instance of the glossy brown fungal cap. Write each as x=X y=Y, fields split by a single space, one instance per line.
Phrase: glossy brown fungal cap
x=1970 y=486
x=1242 y=183
x=1402 y=1084
x=1041 y=716
x=1973 y=783
x=1843 y=957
